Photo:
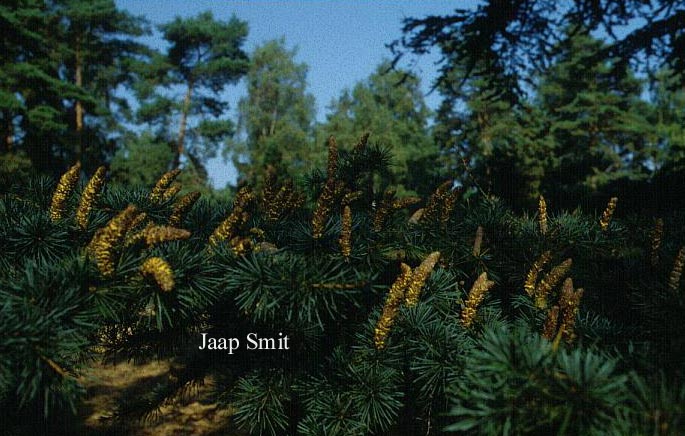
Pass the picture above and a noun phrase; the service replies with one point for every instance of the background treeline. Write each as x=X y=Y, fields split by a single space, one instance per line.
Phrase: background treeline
x=77 y=85
x=538 y=98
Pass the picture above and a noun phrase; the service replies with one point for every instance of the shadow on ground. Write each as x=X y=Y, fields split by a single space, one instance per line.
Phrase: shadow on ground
x=110 y=385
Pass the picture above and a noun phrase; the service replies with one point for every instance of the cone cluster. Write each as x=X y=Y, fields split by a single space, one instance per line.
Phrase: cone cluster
x=324 y=204
x=181 y=207
x=407 y=287
x=231 y=226
x=89 y=196
x=107 y=240
x=64 y=189
x=476 y=295
x=164 y=182
x=542 y=215
x=561 y=318
x=160 y=272
x=608 y=214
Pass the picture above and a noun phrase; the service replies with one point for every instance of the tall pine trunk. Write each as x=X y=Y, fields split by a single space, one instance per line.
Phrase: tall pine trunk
x=182 y=129
x=79 y=104
x=8 y=133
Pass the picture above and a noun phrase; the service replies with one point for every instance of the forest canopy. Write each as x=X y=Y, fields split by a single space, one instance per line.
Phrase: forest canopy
x=567 y=99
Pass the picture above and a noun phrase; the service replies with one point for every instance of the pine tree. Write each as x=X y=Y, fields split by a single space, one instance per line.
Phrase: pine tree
x=205 y=56
x=276 y=116
x=61 y=67
x=389 y=105
x=31 y=90
x=514 y=38
x=597 y=119
x=98 y=52
x=501 y=143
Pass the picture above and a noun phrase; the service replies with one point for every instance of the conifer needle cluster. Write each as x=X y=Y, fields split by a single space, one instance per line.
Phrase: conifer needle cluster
x=372 y=349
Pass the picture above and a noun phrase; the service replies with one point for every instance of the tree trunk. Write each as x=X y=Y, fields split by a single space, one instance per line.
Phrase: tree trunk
x=79 y=104
x=8 y=133
x=272 y=127
x=182 y=129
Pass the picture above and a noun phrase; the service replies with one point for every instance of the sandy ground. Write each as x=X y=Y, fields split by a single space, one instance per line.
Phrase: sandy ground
x=107 y=385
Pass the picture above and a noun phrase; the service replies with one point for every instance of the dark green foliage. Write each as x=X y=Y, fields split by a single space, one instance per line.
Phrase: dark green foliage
x=658 y=407
x=390 y=104
x=276 y=117
x=599 y=125
x=77 y=85
x=260 y=402
x=514 y=383
x=507 y=40
x=142 y=159
x=290 y=288
x=205 y=55
x=46 y=321
x=534 y=103
x=499 y=376
x=61 y=67
x=13 y=166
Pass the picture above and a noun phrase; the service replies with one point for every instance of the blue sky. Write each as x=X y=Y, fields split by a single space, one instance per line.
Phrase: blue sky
x=342 y=42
